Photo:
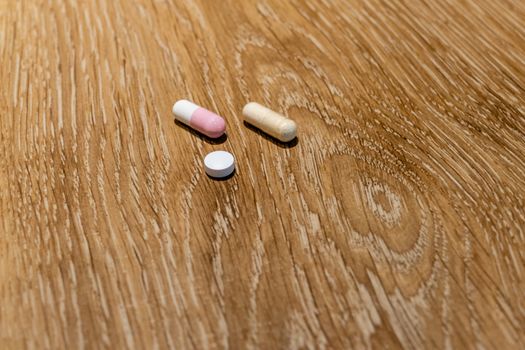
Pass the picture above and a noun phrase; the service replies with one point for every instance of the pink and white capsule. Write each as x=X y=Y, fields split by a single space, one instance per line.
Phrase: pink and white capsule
x=198 y=118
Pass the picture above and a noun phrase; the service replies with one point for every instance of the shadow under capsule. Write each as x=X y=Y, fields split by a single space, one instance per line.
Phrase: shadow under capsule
x=289 y=144
x=217 y=141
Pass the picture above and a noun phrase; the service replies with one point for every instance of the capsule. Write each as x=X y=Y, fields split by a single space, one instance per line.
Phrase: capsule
x=270 y=122
x=198 y=118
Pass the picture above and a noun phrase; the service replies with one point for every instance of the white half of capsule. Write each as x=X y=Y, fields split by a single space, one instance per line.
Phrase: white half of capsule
x=183 y=110
x=270 y=122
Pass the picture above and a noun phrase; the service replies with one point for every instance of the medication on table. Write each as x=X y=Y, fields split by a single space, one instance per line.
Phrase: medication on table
x=270 y=122
x=198 y=118
x=219 y=164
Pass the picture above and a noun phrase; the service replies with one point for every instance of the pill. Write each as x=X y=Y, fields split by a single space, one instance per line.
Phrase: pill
x=198 y=118
x=219 y=164
x=270 y=122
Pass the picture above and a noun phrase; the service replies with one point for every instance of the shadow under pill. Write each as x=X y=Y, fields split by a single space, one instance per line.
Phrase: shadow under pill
x=222 y=178
x=289 y=144
x=217 y=141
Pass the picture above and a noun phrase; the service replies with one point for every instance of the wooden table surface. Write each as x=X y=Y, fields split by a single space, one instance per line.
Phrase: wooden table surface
x=396 y=220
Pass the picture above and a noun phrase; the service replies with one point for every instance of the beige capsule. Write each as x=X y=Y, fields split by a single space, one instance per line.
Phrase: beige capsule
x=270 y=122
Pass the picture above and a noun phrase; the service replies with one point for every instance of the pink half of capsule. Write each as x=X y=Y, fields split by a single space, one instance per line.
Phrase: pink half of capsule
x=198 y=118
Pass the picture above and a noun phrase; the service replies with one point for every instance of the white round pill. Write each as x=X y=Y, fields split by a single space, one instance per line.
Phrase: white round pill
x=219 y=164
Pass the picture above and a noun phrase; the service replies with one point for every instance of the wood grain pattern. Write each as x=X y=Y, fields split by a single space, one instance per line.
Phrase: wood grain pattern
x=396 y=221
